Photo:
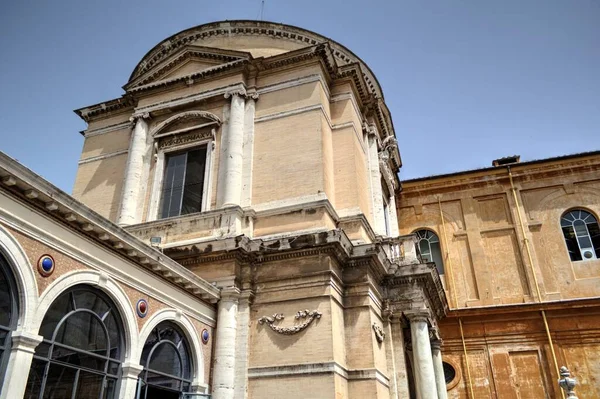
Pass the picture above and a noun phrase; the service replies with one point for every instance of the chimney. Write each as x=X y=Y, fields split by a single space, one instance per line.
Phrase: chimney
x=506 y=160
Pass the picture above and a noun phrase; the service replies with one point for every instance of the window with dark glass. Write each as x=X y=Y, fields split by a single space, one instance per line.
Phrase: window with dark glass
x=429 y=246
x=582 y=235
x=167 y=364
x=81 y=354
x=8 y=313
x=183 y=183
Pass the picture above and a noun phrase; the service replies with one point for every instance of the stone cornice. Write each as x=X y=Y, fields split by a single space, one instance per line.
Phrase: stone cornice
x=49 y=200
x=184 y=54
x=118 y=104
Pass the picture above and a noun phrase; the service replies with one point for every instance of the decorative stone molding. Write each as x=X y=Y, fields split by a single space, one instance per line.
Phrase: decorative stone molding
x=379 y=333
x=307 y=315
x=195 y=114
x=187 y=138
x=133 y=118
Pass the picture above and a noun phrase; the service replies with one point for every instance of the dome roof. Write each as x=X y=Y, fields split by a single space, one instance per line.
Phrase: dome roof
x=259 y=38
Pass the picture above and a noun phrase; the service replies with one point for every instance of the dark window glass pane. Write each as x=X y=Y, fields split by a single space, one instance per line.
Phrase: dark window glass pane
x=89 y=300
x=80 y=359
x=194 y=181
x=584 y=242
x=42 y=349
x=437 y=256
x=114 y=335
x=424 y=248
x=83 y=330
x=163 y=381
x=59 y=308
x=89 y=385
x=59 y=382
x=571 y=242
x=110 y=389
x=166 y=360
x=5 y=300
x=34 y=382
x=173 y=185
x=595 y=235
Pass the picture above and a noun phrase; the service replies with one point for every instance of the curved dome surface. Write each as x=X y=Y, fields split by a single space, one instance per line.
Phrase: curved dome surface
x=260 y=38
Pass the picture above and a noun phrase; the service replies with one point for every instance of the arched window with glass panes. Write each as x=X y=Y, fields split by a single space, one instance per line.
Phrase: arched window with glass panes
x=167 y=364
x=82 y=350
x=582 y=235
x=429 y=247
x=9 y=313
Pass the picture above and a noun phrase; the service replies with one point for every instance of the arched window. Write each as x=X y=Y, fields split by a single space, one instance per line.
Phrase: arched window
x=9 y=313
x=167 y=363
x=582 y=235
x=82 y=350
x=429 y=246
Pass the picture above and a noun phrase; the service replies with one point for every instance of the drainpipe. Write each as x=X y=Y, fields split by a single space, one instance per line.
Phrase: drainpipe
x=535 y=280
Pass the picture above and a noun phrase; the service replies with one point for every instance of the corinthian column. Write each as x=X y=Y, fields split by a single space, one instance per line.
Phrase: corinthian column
x=422 y=357
x=130 y=199
x=225 y=344
x=231 y=160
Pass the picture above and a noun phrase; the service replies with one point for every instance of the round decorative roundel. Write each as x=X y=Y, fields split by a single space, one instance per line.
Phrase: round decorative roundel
x=142 y=308
x=46 y=265
x=205 y=336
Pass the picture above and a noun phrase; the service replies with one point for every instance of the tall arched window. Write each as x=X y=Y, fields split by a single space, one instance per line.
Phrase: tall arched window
x=9 y=313
x=80 y=356
x=429 y=246
x=582 y=235
x=167 y=364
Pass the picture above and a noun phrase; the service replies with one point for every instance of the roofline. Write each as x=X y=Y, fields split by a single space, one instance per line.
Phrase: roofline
x=258 y=23
x=57 y=204
x=500 y=167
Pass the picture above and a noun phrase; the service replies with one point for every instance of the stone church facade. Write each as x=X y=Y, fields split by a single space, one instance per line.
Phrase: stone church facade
x=237 y=230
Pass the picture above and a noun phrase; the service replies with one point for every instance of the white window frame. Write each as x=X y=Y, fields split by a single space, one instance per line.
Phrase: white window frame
x=159 y=174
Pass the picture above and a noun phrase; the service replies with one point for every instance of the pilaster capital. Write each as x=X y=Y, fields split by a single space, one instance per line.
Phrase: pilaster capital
x=24 y=341
x=131 y=370
x=246 y=296
x=252 y=95
x=417 y=315
x=436 y=344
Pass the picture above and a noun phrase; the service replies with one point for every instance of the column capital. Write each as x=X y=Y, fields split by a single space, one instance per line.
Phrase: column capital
x=415 y=315
x=238 y=91
x=230 y=294
x=135 y=117
x=436 y=344
x=24 y=341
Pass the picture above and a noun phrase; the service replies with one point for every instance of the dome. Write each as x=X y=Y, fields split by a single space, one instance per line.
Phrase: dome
x=259 y=38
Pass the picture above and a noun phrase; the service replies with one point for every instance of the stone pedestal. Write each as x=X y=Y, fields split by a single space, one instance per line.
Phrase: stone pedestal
x=440 y=380
x=422 y=356
x=225 y=345
x=130 y=198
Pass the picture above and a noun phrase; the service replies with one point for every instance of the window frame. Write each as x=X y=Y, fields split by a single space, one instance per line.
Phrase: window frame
x=154 y=207
x=13 y=293
x=440 y=244
x=564 y=239
x=48 y=361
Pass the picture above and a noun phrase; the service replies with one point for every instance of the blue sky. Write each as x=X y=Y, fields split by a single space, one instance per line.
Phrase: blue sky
x=466 y=81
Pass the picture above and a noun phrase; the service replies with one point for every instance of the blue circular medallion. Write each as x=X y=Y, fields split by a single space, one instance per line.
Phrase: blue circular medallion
x=205 y=336
x=46 y=265
x=142 y=308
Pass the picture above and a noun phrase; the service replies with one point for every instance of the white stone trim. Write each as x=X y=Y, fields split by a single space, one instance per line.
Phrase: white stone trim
x=348 y=96
x=188 y=100
x=70 y=243
x=109 y=286
x=294 y=83
x=24 y=276
x=297 y=111
x=291 y=204
x=192 y=335
x=102 y=156
x=106 y=129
